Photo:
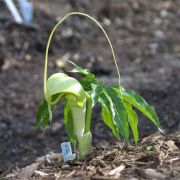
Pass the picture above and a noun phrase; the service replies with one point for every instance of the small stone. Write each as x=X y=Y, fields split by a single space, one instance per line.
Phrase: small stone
x=67 y=33
x=65 y=167
x=152 y=174
x=133 y=178
x=157 y=21
x=28 y=57
x=160 y=34
x=106 y=22
x=153 y=47
x=163 y=13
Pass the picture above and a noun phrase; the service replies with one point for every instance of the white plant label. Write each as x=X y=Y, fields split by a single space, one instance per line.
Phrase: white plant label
x=67 y=152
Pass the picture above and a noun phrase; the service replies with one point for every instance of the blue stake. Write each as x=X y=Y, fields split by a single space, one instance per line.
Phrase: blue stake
x=67 y=152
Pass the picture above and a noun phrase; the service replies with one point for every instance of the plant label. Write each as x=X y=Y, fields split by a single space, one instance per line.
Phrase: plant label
x=67 y=152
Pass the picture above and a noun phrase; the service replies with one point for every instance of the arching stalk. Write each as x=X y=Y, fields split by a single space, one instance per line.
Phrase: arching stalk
x=53 y=31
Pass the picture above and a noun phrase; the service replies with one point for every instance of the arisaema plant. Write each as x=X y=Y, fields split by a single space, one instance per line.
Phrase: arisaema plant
x=80 y=96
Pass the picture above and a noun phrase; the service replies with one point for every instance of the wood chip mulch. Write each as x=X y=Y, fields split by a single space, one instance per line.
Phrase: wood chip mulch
x=155 y=157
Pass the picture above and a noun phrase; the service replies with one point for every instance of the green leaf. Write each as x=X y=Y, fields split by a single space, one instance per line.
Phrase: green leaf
x=138 y=102
x=107 y=114
x=68 y=121
x=133 y=120
x=42 y=116
x=81 y=70
x=119 y=112
x=87 y=81
x=95 y=92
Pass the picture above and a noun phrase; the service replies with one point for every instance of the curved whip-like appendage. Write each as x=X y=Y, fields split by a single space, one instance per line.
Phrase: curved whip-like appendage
x=53 y=31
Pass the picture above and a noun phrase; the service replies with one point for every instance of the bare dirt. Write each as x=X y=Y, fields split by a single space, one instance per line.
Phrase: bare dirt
x=145 y=35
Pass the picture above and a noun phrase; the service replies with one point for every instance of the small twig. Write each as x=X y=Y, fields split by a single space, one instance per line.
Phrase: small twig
x=174 y=159
x=83 y=166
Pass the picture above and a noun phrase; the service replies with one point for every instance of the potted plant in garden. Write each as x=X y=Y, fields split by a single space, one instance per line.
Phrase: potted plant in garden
x=80 y=96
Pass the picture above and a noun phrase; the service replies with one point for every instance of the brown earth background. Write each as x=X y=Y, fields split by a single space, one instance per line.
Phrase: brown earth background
x=145 y=35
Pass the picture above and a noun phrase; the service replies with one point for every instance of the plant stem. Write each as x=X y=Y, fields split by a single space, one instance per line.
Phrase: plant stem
x=78 y=114
x=88 y=113
x=80 y=123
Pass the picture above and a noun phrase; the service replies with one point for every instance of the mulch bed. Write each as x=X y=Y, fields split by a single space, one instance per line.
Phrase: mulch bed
x=155 y=157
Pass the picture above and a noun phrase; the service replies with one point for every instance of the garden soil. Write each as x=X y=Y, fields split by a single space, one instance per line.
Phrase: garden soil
x=145 y=36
